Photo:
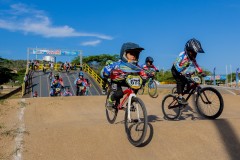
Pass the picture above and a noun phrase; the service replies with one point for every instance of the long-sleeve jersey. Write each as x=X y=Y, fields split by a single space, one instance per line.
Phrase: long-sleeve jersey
x=125 y=67
x=146 y=67
x=79 y=81
x=184 y=65
x=56 y=83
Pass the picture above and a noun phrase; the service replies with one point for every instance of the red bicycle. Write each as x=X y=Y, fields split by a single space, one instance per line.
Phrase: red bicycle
x=135 y=119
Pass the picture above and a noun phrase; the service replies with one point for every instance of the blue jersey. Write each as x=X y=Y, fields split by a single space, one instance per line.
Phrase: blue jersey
x=56 y=84
x=125 y=67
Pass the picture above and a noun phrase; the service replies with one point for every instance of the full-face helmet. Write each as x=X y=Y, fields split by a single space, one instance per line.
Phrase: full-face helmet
x=131 y=48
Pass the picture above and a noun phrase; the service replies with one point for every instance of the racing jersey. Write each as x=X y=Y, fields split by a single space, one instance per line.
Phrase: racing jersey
x=56 y=83
x=83 y=82
x=184 y=65
x=146 y=67
x=123 y=66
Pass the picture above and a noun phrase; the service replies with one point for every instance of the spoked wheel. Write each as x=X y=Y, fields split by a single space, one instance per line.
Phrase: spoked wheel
x=152 y=89
x=174 y=90
x=136 y=126
x=209 y=103
x=111 y=113
x=171 y=107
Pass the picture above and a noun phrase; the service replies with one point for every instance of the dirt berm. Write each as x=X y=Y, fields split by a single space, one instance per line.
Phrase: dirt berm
x=75 y=128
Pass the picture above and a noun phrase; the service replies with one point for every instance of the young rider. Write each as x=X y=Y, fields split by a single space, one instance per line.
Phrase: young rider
x=56 y=83
x=80 y=81
x=105 y=73
x=183 y=63
x=149 y=68
x=67 y=92
x=128 y=62
x=149 y=64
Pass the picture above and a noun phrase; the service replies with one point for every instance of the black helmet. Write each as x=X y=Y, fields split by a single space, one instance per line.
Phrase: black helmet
x=56 y=75
x=149 y=59
x=194 y=45
x=127 y=47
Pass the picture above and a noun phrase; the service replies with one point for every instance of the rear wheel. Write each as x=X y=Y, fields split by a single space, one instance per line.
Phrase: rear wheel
x=209 y=103
x=111 y=113
x=136 y=126
x=171 y=107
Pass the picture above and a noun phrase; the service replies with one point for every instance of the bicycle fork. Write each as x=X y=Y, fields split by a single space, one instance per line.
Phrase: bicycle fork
x=129 y=107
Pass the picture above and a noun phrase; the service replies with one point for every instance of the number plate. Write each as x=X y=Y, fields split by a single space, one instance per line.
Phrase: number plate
x=196 y=79
x=134 y=82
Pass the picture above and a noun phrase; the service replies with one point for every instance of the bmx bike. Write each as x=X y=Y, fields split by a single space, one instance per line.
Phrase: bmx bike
x=208 y=101
x=135 y=119
x=150 y=85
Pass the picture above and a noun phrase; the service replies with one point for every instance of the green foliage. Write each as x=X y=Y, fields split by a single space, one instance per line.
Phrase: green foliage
x=165 y=76
x=100 y=59
x=8 y=69
x=97 y=62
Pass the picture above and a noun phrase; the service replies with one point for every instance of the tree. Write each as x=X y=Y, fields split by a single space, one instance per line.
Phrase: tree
x=96 y=62
x=7 y=67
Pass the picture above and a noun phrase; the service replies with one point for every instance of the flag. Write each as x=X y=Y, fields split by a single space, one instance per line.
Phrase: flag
x=214 y=79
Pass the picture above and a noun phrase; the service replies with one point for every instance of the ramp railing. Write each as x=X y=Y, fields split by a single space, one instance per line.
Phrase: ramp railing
x=94 y=75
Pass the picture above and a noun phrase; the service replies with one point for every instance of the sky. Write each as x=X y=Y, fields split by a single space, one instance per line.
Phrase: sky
x=162 y=27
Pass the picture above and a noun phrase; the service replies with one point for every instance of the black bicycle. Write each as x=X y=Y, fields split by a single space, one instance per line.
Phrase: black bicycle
x=208 y=100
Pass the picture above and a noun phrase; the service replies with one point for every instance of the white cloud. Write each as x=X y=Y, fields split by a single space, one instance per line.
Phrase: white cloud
x=29 y=20
x=91 y=43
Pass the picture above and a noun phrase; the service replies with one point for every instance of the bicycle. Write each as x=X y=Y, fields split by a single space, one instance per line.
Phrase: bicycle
x=151 y=85
x=135 y=118
x=208 y=100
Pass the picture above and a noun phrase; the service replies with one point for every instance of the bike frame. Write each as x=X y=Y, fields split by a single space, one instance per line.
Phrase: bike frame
x=129 y=94
x=196 y=88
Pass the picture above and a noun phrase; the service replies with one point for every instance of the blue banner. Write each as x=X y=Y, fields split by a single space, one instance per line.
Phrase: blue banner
x=55 y=52
x=214 y=79
x=217 y=77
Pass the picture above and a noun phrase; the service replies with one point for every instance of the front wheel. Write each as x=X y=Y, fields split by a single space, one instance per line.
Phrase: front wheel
x=136 y=126
x=209 y=103
x=170 y=107
x=152 y=89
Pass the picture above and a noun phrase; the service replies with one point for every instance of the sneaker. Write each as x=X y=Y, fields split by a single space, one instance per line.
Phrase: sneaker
x=182 y=101
x=110 y=104
x=103 y=92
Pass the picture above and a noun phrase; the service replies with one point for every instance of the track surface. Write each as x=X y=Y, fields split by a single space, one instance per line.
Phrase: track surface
x=41 y=83
x=76 y=128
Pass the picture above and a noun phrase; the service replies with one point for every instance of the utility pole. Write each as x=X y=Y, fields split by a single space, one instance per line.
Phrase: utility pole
x=226 y=76
x=231 y=73
x=80 y=59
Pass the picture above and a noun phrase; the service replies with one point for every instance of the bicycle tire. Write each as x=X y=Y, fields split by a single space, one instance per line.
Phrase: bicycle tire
x=202 y=105
x=110 y=114
x=171 y=113
x=135 y=125
x=152 y=89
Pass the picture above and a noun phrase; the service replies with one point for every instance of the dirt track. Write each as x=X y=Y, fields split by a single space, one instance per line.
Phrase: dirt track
x=76 y=128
